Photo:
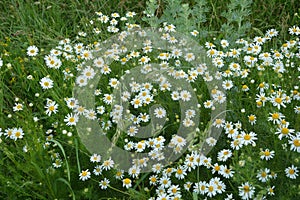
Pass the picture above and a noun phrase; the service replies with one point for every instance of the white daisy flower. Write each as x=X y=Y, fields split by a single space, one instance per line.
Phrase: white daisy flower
x=84 y=175
x=46 y=83
x=32 y=51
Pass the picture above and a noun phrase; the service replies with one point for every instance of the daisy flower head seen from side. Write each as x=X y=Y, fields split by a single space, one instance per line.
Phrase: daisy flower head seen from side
x=127 y=183
x=95 y=158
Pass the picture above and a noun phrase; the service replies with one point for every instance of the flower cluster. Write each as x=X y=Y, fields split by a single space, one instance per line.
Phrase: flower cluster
x=150 y=97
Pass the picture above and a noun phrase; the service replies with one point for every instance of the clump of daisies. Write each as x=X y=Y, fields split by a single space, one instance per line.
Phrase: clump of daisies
x=237 y=68
x=260 y=88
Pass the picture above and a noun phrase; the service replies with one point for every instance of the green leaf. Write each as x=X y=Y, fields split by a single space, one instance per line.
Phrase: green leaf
x=195 y=196
x=69 y=186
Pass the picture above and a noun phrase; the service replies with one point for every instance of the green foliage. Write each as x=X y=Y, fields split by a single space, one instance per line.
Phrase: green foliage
x=236 y=27
x=194 y=16
x=230 y=19
x=184 y=16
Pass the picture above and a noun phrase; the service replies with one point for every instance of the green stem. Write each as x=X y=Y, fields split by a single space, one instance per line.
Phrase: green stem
x=118 y=190
x=77 y=156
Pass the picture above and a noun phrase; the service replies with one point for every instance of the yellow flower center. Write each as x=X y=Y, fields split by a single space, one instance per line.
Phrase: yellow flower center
x=17 y=134
x=245 y=87
x=263 y=174
x=179 y=171
x=295 y=92
x=247 y=137
x=246 y=188
x=291 y=171
x=275 y=115
x=179 y=140
x=236 y=142
x=108 y=98
x=217 y=168
x=153 y=179
x=202 y=187
x=283 y=121
x=271 y=190
x=84 y=173
x=267 y=153
x=259 y=103
x=137 y=102
x=231 y=131
x=296 y=142
x=127 y=181
x=278 y=100
x=51 y=108
x=218 y=121
x=252 y=118
x=284 y=130
x=169 y=170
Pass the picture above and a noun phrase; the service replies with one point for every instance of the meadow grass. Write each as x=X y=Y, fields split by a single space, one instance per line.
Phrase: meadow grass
x=46 y=163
